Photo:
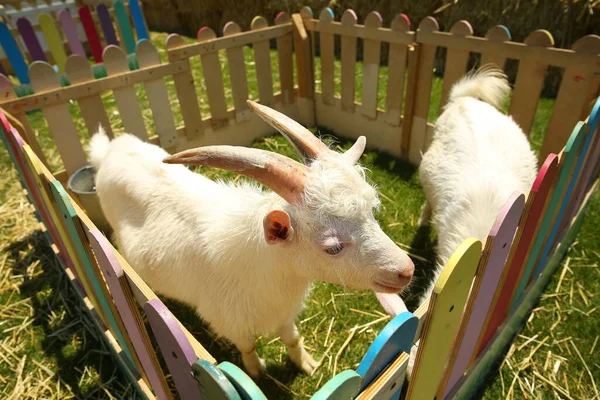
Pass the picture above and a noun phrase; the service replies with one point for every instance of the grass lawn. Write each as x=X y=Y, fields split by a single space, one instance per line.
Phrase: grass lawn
x=49 y=350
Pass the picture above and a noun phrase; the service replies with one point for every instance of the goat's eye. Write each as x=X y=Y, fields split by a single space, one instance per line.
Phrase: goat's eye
x=335 y=249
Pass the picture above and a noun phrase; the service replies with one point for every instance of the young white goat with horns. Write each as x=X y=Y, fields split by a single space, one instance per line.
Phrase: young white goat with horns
x=477 y=159
x=244 y=258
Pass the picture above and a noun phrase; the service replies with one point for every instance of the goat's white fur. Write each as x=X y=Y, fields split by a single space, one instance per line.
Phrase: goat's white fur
x=477 y=159
x=202 y=242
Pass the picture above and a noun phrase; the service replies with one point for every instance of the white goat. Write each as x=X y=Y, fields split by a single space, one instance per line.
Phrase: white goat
x=242 y=257
x=477 y=159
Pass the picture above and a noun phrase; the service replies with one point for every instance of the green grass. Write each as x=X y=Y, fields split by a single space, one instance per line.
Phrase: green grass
x=48 y=348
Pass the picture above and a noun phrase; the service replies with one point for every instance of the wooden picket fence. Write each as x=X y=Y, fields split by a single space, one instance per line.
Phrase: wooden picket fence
x=52 y=32
x=464 y=327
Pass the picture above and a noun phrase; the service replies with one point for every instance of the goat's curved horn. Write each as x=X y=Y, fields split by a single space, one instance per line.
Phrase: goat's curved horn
x=306 y=144
x=283 y=175
x=352 y=155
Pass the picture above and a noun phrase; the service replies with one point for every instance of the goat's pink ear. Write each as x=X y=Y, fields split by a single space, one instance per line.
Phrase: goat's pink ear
x=278 y=227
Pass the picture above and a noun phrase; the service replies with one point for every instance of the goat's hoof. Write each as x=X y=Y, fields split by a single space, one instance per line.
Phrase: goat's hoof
x=304 y=361
x=256 y=369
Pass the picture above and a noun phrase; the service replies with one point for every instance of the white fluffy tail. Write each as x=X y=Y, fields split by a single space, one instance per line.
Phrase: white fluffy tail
x=488 y=83
x=99 y=145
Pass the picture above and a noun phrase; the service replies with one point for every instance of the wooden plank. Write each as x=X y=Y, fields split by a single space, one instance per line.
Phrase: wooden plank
x=70 y=31
x=107 y=25
x=126 y=98
x=78 y=71
x=396 y=337
x=536 y=199
x=15 y=58
x=327 y=57
x=237 y=74
x=38 y=174
x=128 y=311
x=348 y=47
x=422 y=92
x=242 y=383
x=571 y=98
x=60 y=121
x=491 y=265
x=213 y=78
x=158 y=97
x=175 y=348
x=514 y=50
x=414 y=55
x=304 y=57
x=529 y=83
x=498 y=33
x=85 y=16
x=445 y=310
x=344 y=385
x=284 y=54
x=91 y=271
x=379 y=34
x=184 y=51
x=579 y=153
x=371 y=58
x=533 y=265
x=54 y=41
x=124 y=26
x=397 y=60
x=138 y=20
x=263 y=63
x=213 y=383
x=456 y=60
x=31 y=40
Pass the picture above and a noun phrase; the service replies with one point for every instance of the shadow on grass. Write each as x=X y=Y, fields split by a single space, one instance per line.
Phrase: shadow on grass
x=63 y=331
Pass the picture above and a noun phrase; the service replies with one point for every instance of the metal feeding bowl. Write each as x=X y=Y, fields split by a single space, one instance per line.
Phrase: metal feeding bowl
x=82 y=184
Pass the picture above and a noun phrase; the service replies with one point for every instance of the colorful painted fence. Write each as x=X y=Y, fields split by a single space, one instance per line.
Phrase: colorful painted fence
x=484 y=289
x=52 y=32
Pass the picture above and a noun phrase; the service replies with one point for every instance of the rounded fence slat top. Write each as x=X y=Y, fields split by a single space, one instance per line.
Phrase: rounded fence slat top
x=174 y=41
x=43 y=76
x=349 y=17
x=259 y=22
x=540 y=38
x=462 y=28
x=429 y=24
x=401 y=23
x=205 y=33
x=213 y=383
x=115 y=60
x=587 y=44
x=146 y=53
x=498 y=33
x=373 y=20
x=78 y=69
x=326 y=15
x=306 y=12
x=282 y=18
x=231 y=28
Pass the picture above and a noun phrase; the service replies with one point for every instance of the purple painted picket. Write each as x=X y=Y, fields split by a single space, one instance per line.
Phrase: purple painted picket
x=107 y=25
x=70 y=30
x=31 y=40
x=113 y=273
x=175 y=348
x=499 y=244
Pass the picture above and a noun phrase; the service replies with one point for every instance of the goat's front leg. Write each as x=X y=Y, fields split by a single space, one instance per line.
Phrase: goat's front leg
x=295 y=344
x=425 y=214
x=253 y=364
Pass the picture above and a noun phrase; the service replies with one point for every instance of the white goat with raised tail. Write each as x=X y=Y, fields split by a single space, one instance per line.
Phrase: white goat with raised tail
x=244 y=258
x=478 y=157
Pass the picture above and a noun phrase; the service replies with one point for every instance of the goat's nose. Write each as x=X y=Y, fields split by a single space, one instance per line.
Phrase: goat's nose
x=406 y=273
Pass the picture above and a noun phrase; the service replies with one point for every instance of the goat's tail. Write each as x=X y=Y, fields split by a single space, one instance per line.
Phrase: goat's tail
x=99 y=145
x=488 y=83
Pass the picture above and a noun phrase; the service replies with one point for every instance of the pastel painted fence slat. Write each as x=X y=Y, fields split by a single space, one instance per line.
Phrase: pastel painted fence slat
x=397 y=60
x=327 y=58
x=490 y=269
x=31 y=40
x=138 y=20
x=498 y=33
x=348 y=63
x=107 y=25
x=538 y=196
x=54 y=41
x=124 y=26
x=440 y=327
x=125 y=304
x=13 y=53
x=91 y=33
x=70 y=31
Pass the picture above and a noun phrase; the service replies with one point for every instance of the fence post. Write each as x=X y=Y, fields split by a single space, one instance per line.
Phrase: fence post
x=414 y=52
x=304 y=67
